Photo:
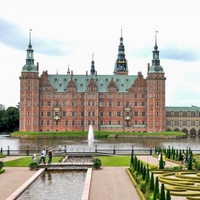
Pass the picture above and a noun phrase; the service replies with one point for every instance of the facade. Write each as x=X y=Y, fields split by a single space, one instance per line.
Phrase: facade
x=70 y=102
x=185 y=119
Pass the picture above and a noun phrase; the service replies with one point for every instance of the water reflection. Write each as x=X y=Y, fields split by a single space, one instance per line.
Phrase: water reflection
x=82 y=145
x=53 y=185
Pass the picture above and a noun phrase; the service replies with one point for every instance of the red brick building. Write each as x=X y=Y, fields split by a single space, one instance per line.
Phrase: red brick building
x=69 y=102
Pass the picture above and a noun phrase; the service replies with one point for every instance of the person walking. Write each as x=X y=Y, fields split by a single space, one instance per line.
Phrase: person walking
x=50 y=156
x=43 y=156
x=164 y=159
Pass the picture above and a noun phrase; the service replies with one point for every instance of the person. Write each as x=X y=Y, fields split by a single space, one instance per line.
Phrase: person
x=43 y=156
x=182 y=159
x=164 y=159
x=34 y=157
x=50 y=156
x=159 y=155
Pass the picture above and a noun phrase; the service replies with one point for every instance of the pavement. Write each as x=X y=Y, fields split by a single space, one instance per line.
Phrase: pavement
x=107 y=183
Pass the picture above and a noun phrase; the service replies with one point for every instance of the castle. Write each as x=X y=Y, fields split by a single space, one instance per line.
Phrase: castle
x=70 y=102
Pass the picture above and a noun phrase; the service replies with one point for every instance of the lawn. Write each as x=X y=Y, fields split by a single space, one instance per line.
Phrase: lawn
x=106 y=161
x=115 y=160
x=24 y=162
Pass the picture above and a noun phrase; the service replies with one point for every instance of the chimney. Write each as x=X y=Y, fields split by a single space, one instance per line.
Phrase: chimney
x=86 y=73
x=72 y=72
x=148 y=67
x=37 y=67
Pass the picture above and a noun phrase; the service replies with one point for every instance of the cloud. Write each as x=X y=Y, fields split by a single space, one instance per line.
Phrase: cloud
x=11 y=35
x=184 y=53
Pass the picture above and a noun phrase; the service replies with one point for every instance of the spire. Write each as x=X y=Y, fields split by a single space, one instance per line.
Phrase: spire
x=156 y=47
x=30 y=45
x=68 y=71
x=155 y=66
x=121 y=65
x=155 y=60
x=29 y=66
x=92 y=71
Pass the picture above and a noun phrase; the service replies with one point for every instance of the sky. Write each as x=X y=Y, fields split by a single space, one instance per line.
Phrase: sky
x=67 y=33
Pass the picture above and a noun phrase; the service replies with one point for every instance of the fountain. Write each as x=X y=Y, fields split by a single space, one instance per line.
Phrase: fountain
x=90 y=134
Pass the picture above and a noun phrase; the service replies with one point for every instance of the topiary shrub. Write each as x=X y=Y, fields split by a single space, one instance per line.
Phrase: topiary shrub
x=96 y=163
x=34 y=166
x=1 y=164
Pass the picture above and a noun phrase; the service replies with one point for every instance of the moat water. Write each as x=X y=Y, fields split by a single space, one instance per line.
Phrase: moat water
x=83 y=145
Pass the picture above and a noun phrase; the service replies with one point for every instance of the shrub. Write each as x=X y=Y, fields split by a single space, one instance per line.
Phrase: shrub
x=34 y=165
x=96 y=163
x=1 y=164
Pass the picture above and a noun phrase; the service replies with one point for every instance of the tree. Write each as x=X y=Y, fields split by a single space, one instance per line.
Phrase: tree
x=132 y=160
x=162 y=193
x=168 y=196
x=9 y=119
x=151 y=187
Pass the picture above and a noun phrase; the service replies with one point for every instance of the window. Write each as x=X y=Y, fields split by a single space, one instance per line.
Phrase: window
x=118 y=103
x=176 y=114
x=184 y=123
x=135 y=103
x=176 y=123
x=100 y=103
x=82 y=114
x=143 y=95
x=93 y=114
x=73 y=123
x=41 y=114
x=184 y=114
x=64 y=103
x=41 y=123
x=73 y=114
x=136 y=123
x=192 y=123
x=89 y=114
x=48 y=103
x=64 y=114
x=56 y=114
x=143 y=114
x=109 y=123
x=143 y=103
x=127 y=114
x=110 y=114
x=135 y=95
x=101 y=114
x=82 y=123
x=48 y=113
x=118 y=114
x=118 y=95
x=135 y=114
x=73 y=95
x=168 y=114
x=110 y=96
x=118 y=122
x=48 y=123
x=73 y=103
x=101 y=122
x=127 y=103
x=192 y=114
x=66 y=123
x=109 y=103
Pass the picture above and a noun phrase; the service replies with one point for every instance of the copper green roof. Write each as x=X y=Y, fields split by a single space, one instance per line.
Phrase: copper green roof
x=123 y=82
x=183 y=109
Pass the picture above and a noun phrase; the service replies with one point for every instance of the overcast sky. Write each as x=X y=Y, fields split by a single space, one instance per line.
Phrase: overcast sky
x=67 y=33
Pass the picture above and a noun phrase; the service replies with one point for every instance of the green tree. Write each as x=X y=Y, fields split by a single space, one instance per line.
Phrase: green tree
x=11 y=118
x=151 y=187
x=162 y=192
x=161 y=164
x=168 y=196
x=132 y=160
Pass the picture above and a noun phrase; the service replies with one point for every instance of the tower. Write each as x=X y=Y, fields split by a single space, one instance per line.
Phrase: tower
x=155 y=93
x=121 y=65
x=29 y=93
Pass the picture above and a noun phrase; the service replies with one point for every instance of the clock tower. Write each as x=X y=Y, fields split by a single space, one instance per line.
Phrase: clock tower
x=155 y=93
x=121 y=65
x=29 y=93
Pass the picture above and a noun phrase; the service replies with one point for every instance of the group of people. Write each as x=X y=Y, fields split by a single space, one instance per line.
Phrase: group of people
x=183 y=159
x=43 y=154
